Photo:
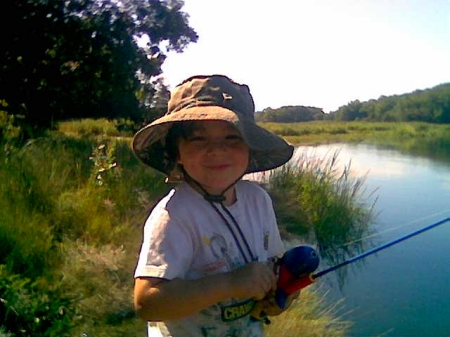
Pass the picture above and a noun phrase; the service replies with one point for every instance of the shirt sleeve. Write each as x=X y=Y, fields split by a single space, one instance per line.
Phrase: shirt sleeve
x=167 y=248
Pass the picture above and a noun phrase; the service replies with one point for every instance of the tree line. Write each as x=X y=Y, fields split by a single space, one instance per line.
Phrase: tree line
x=81 y=58
x=429 y=105
x=290 y=114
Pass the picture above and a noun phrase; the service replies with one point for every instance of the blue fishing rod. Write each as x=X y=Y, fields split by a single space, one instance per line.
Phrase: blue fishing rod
x=298 y=264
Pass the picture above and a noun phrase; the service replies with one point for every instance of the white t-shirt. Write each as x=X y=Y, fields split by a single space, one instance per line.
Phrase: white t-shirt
x=185 y=238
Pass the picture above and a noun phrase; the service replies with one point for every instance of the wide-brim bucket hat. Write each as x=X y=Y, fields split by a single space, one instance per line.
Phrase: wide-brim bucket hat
x=209 y=98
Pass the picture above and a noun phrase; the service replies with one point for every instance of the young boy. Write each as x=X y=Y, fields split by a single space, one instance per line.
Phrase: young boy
x=209 y=245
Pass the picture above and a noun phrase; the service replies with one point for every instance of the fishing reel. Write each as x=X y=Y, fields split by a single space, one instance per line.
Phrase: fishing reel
x=294 y=273
x=296 y=266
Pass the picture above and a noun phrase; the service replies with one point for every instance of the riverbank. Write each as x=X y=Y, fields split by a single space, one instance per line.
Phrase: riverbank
x=85 y=196
x=402 y=135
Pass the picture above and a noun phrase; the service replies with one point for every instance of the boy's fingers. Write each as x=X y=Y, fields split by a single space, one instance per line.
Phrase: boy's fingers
x=255 y=280
x=259 y=296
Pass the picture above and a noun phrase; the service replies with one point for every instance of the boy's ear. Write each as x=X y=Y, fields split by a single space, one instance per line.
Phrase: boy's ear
x=176 y=175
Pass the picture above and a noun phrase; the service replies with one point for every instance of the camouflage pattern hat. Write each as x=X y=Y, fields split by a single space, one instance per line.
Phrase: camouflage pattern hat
x=205 y=98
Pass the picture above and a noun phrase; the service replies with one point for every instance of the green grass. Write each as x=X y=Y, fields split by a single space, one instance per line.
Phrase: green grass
x=323 y=132
x=309 y=316
x=97 y=127
x=320 y=202
x=416 y=138
x=72 y=235
x=72 y=207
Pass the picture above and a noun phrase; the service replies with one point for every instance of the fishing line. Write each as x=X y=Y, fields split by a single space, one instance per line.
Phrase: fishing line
x=298 y=265
x=392 y=229
x=377 y=249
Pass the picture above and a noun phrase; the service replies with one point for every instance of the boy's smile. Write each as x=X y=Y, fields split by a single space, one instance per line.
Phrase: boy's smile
x=215 y=155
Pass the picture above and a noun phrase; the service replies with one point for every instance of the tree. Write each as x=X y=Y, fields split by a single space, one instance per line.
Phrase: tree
x=290 y=114
x=156 y=103
x=81 y=58
x=429 y=105
x=350 y=112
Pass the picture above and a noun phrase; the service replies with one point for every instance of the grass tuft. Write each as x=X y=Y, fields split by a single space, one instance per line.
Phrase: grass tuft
x=309 y=316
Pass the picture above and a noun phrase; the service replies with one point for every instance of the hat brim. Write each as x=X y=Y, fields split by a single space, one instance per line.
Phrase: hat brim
x=267 y=150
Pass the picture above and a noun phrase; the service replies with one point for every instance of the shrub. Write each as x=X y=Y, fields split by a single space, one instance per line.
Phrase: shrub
x=29 y=309
x=9 y=131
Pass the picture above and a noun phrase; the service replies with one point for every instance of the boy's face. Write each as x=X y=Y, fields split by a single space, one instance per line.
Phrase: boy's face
x=214 y=154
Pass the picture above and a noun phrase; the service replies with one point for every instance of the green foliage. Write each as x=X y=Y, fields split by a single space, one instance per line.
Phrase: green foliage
x=105 y=167
x=30 y=309
x=25 y=229
x=78 y=59
x=309 y=316
x=314 y=197
x=89 y=127
x=100 y=278
x=430 y=105
x=9 y=133
x=290 y=114
x=351 y=112
x=59 y=226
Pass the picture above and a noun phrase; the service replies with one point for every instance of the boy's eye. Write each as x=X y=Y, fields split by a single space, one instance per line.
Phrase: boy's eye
x=234 y=137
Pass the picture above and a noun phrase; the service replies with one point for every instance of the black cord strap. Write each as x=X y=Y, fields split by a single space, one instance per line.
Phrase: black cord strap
x=240 y=232
x=236 y=240
x=220 y=198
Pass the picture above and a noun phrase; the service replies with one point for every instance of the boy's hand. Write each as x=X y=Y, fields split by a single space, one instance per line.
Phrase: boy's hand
x=269 y=307
x=254 y=280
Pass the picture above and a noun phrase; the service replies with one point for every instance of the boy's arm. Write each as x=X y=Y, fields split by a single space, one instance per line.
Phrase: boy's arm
x=157 y=299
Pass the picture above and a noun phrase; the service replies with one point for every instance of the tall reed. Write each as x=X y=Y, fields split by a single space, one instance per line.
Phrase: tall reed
x=320 y=200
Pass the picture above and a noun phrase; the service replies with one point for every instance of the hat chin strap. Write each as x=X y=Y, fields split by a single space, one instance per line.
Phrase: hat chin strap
x=232 y=226
x=219 y=198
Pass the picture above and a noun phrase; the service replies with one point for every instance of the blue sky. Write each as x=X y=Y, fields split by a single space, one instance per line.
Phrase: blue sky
x=322 y=53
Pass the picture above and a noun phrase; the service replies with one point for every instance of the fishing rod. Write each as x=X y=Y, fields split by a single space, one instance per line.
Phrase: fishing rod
x=298 y=264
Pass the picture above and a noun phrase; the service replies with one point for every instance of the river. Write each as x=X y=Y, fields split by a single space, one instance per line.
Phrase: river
x=402 y=291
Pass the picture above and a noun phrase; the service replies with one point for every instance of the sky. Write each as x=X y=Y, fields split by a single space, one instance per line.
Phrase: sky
x=320 y=53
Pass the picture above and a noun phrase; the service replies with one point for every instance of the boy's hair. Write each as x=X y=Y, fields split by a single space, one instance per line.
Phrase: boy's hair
x=177 y=131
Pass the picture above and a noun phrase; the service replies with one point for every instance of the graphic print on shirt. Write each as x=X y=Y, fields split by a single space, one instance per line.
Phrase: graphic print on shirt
x=232 y=309
x=220 y=250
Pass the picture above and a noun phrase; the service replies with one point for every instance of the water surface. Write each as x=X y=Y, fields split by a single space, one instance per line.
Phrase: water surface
x=402 y=291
